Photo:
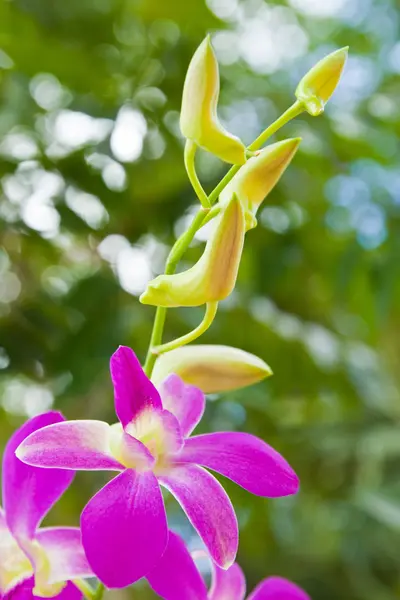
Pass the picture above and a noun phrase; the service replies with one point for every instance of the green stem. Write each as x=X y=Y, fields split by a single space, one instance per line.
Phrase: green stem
x=293 y=111
x=211 y=311
x=189 y=156
x=85 y=588
x=181 y=245
x=98 y=595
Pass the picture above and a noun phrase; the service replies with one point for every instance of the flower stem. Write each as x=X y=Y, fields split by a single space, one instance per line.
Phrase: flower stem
x=98 y=595
x=84 y=587
x=189 y=156
x=182 y=244
x=211 y=311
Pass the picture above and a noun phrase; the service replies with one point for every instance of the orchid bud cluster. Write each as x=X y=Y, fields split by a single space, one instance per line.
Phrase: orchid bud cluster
x=124 y=533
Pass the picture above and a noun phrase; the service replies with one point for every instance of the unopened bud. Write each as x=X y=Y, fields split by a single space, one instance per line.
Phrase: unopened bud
x=258 y=176
x=318 y=85
x=213 y=369
x=213 y=277
x=199 y=121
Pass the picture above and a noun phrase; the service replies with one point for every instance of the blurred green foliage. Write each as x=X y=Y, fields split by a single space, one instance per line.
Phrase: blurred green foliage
x=93 y=192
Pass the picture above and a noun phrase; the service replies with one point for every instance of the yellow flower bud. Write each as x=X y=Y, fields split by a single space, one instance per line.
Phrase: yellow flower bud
x=258 y=176
x=318 y=85
x=199 y=121
x=213 y=277
x=213 y=369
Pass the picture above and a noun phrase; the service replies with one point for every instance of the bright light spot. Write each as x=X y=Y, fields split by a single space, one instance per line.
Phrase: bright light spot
x=370 y=223
x=19 y=145
x=76 y=129
x=111 y=246
x=382 y=106
x=112 y=172
x=48 y=92
x=10 y=287
x=114 y=177
x=224 y=9
x=20 y=398
x=322 y=345
x=359 y=80
x=155 y=144
x=57 y=280
x=347 y=191
x=87 y=206
x=128 y=134
x=320 y=8
x=4 y=358
x=226 y=47
x=394 y=58
x=5 y=61
x=39 y=214
x=134 y=270
x=275 y=218
x=151 y=98
x=288 y=326
x=272 y=39
x=171 y=122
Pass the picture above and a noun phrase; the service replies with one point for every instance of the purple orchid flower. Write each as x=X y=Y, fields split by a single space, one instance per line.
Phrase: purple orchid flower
x=124 y=526
x=36 y=562
x=176 y=577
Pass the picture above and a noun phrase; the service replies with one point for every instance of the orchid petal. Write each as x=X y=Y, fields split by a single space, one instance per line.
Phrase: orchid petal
x=133 y=390
x=277 y=588
x=186 y=402
x=228 y=584
x=70 y=592
x=78 y=445
x=124 y=528
x=244 y=458
x=22 y=591
x=63 y=546
x=176 y=576
x=29 y=493
x=158 y=431
x=15 y=566
x=208 y=508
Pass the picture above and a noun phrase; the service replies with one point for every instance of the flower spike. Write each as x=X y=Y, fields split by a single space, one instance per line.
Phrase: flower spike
x=199 y=121
x=258 y=176
x=213 y=277
x=212 y=368
x=318 y=85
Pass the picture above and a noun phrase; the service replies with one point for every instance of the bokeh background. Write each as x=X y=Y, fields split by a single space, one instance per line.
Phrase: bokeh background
x=93 y=192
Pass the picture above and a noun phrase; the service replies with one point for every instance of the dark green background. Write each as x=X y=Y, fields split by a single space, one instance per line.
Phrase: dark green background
x=318 y=291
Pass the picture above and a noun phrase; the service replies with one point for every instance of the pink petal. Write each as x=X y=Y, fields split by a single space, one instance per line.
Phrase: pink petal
x=133 y=390
x=24 y=591
x=79 y=445
x=63 y=546
x=29 y=493
x=175 y=576
x=228 y=584
x=124 y=528
x=244 y=458
x=276 y=588
x=70 y=592
x=186 y=402
x=208 y=508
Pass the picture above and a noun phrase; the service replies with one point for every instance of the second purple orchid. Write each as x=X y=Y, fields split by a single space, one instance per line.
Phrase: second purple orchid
x=124 y=526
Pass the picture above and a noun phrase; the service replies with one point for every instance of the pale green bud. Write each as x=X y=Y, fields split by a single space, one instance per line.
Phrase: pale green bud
x=318 y=85
x=213 y=369
x=199 y=121
x=213 y=277
x=258 y=176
